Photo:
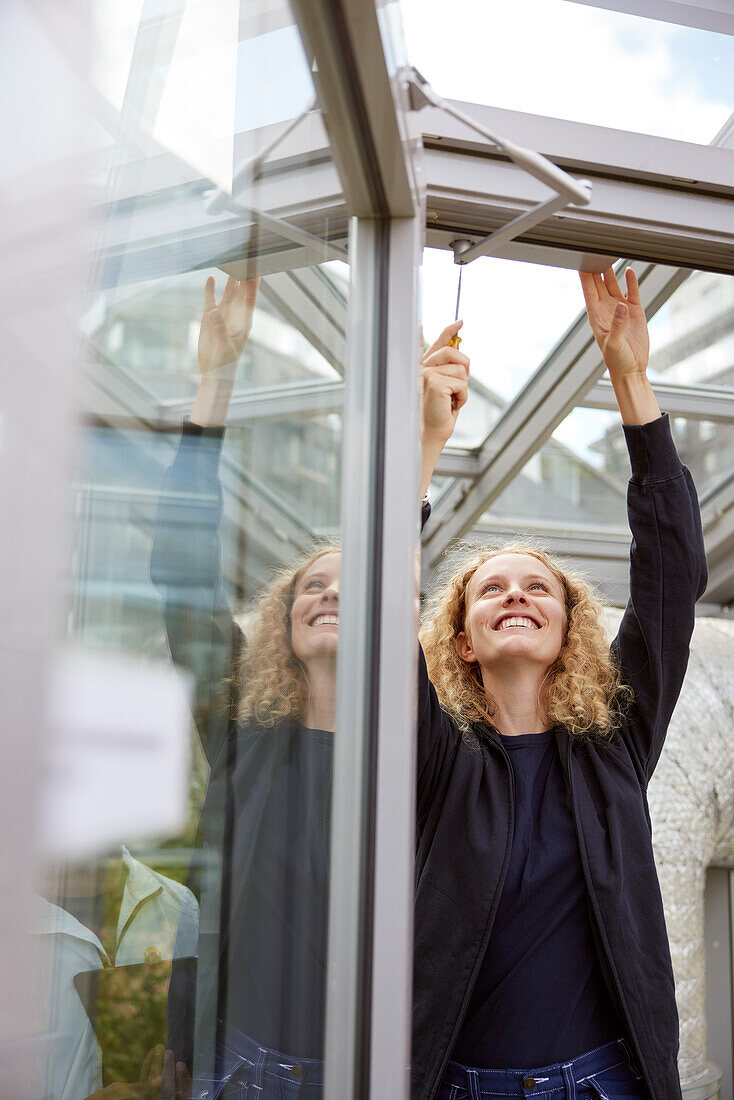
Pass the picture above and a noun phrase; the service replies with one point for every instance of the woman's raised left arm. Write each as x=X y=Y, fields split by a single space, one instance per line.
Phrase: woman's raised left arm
x=667 y=559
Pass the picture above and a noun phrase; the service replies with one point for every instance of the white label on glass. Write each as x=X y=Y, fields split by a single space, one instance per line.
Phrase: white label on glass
x=116 y=761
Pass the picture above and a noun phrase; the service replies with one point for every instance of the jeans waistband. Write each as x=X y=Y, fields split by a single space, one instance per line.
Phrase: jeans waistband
x=538 y=1080
x=243 y=1058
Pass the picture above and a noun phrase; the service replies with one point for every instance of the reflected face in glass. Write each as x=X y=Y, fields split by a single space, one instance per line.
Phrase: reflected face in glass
x=315 y=611
x=515 y=610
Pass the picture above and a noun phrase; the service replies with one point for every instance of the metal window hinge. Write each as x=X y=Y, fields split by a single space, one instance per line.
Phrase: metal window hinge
x=567 y=191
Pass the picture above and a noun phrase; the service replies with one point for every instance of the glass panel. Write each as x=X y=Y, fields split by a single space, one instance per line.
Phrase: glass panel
x=678 y=77
x=181 y=921
x=570 y=484
x=706 y=447
x=692 y=335
x=578 y=478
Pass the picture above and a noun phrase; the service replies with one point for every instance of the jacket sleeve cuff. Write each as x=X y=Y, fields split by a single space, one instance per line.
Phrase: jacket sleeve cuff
x=652 y=451
x=199 y=450
x=198 y=430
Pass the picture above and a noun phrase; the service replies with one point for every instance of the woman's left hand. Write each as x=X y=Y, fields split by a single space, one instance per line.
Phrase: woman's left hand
x=618 y=323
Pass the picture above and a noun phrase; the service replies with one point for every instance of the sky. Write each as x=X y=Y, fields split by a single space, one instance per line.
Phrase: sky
x=571 y=61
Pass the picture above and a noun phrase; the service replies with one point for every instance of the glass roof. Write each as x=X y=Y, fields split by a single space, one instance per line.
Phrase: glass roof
x=557 y=487
x=576 y=62
x=579 y=476
x=705 y=447
x=514 y=314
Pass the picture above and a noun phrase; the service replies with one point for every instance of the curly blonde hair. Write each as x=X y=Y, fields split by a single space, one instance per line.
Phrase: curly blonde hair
x=582 y=689
x=272 y=680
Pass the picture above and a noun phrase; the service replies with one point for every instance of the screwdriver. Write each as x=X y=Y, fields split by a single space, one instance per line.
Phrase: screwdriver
x=456 y=340
x=459 y=245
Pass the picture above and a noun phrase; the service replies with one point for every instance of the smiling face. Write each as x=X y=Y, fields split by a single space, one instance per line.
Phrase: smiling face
x=515 y=612
x=315 y=610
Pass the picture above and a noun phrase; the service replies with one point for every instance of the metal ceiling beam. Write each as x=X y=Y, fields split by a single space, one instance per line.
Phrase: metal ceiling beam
x=457 y=462
x=721 y=576
x=584 y=149
x=287 y=401
x=589 y=542
x=601 y=553
x=474 y=196
x=691 y=402
x=355 y=91
x=705 y=15
x=653 y=198
x=310 y=301
x=306 y=145
x=557 y=386
x=168 y=232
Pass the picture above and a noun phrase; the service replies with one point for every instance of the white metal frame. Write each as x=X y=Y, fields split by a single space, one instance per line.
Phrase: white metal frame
x=677 y=212
x=566 y=190
x=704 y=14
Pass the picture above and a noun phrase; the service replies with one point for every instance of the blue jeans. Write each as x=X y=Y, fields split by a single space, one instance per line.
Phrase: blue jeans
x=608 y=1072
x=247 y=1071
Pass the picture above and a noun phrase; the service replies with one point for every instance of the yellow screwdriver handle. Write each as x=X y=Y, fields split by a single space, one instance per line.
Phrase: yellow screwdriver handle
x=454 y=341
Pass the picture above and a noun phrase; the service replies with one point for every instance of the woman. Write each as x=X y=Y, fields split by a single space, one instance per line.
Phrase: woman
x=260 y=997
x=542 y=965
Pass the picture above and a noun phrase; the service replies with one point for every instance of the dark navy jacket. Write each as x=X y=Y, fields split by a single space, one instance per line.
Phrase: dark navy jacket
x=465 y=800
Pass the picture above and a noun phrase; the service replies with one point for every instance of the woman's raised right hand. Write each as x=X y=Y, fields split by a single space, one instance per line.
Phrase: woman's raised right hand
x=225 y=326
x=445 y=378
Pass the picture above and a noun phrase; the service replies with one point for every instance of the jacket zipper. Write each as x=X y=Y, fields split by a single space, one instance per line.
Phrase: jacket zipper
x=487 y=934
x=327 y=815
x=599 y=922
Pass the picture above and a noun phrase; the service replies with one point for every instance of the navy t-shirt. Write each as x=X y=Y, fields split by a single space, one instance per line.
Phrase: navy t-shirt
x=540 y=996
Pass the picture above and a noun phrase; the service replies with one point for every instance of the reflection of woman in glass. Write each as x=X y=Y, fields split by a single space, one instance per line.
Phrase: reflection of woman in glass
x=260 y=996
x=540 y=937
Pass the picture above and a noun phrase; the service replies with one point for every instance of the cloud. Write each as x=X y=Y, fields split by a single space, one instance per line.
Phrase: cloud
x=569 y=61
